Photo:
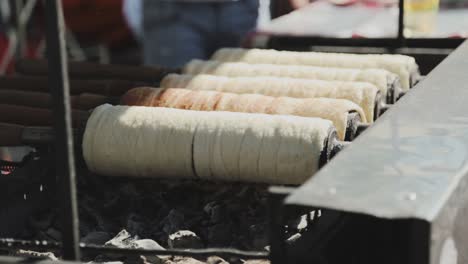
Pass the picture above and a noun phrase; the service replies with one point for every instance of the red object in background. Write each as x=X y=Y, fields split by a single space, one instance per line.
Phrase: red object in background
x=30 y=52
x=97 y=21
x=92 y=22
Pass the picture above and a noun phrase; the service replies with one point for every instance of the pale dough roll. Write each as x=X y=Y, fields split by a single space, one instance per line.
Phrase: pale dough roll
x=361 y=93
x=164 y=97
x=201 y=101
x=139 y=141
x=240 y=149
x=226 y=101
x=165 y=142
x=380 y=78
x=336 y=110
x=401 y=65
x=247 y=103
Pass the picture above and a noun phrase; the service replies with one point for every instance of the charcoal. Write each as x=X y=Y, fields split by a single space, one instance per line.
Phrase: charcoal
x=135 y=224
x=148 y=244
x=122 y=240
x=257 y=261
x=302 y=225
x=150 y=260
x=184 y=239
x=298 y=224
x=105 y=262
x=42 y=221
x=173 y=221
x=54 y=234
x=96 y=238
x=221 y=214
x=220 y=234
x=258 y=241
x=216 y=260
x=125 y=240
x=214 y=211
x=293 y=238
x=183 y=260
x=34 y=254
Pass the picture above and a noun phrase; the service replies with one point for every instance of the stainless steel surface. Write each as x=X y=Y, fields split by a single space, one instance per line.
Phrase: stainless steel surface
x=413 y=158
x=449 y=231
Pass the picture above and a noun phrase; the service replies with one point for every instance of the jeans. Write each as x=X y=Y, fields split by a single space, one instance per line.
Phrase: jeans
x=176 y=32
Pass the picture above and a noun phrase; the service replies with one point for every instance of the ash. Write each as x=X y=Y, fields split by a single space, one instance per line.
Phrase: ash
x=219 y=214
x=163 y=214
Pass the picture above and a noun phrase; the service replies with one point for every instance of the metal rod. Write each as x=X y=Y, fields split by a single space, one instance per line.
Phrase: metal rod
x=9 y=244
x=401 y=22
x=301 y=42
x=65 y=161
x=222 y=252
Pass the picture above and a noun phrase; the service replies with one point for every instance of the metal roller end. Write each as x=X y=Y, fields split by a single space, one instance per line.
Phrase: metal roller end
x=393 y=90
x=401 y=95
x=415 y=78
x=360 y=129
x=383 y=109
x=354 y=119
x=332 y=146
x=380 y=106
x=338 y=146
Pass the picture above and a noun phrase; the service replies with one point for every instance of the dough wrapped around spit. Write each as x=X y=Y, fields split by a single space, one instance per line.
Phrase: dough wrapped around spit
x=166 y=142
x=404 y=66
x=364 y=94
x=387 y=82
x=336 y=110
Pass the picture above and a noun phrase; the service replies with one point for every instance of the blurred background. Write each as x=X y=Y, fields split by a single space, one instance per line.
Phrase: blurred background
x=170 y=32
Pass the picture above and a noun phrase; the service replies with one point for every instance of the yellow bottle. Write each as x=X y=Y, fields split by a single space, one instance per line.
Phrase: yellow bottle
x=420 y=17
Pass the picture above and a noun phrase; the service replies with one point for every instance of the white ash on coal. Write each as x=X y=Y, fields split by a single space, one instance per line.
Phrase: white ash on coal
x=184 y=239
x=159 y=213
x=220 y=214
x=34 y=254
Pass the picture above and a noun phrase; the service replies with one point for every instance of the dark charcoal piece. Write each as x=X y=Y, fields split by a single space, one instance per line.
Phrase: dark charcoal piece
x=184 y=239
x=97 y=238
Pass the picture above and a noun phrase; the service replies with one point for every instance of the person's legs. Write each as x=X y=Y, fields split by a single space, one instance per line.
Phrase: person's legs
x=175 y=33
x=234 y=21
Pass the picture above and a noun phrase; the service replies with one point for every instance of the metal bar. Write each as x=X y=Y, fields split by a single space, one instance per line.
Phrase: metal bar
x=401 y=22
x=65 y=162
x=22 y=260
x=9 y=244
x=305 y=42
x=222 y=252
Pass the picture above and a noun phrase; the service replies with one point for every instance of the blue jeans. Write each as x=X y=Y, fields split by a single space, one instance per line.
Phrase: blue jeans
x=176 y=32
